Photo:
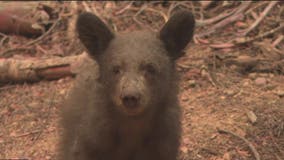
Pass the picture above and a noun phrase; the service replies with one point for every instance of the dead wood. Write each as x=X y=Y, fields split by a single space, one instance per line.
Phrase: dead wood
x=262 y=15
x=33 y=70
x=243 y=40
x=13 y=24
x=214 y=19
x=239 y=14
x=8 y=53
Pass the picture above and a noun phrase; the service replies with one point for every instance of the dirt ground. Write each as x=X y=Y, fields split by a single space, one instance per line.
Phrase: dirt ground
x=225 y=100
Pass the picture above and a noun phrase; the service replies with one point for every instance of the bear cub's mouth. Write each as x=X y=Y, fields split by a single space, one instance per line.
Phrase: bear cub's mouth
x=131 y=106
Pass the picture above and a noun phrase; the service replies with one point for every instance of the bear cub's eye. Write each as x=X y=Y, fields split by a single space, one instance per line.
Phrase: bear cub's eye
x=150 y=69
x=116 y=70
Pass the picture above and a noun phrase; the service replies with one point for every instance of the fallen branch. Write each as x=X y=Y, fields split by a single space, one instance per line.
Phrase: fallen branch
x=13 y=21
x=262 y=15
x=252 y=148
x=33 y=70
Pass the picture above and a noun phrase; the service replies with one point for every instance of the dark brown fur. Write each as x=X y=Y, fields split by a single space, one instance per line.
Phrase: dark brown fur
x=131 y=111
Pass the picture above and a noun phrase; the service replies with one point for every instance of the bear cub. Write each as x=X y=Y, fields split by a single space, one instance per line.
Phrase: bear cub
x=130 y=111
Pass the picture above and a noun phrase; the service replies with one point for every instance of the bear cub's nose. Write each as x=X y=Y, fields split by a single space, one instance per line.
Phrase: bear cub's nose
x=131 y=101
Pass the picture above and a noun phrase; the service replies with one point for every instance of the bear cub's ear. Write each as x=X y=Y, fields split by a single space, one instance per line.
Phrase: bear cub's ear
x=93 y=33
x=177 y=32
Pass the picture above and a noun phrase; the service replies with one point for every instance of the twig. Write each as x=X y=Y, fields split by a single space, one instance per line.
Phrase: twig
x=222 y=45
x=278 y=51
x=124 y=8
x=139 y=12
x=277 y=41
x=86 y=7
x=160 y=12
x=7 y=87
x=214 y=19
x=262 y=15
x=183 y=66
x=236 y=16
x=26 y=134
x=4 y=38
x=30 y=133
x=201 y=14
x=94 y=9
x=257 y=5
x=254 y=15
x=209 y=75
x=38 y=47
x=45 y=34
x=145 y=8
x=90 y=9
x=252 y=148
x=243 y=40
x=7 y=53
x=221 y=24
x=171 y=8
x=191 y=6
x=243 y=7
x=249 y=39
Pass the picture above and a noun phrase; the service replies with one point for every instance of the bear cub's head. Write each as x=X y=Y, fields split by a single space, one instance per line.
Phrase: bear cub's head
x=136 y=69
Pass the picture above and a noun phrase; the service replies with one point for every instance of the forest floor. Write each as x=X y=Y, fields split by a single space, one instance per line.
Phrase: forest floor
x=225 y=111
